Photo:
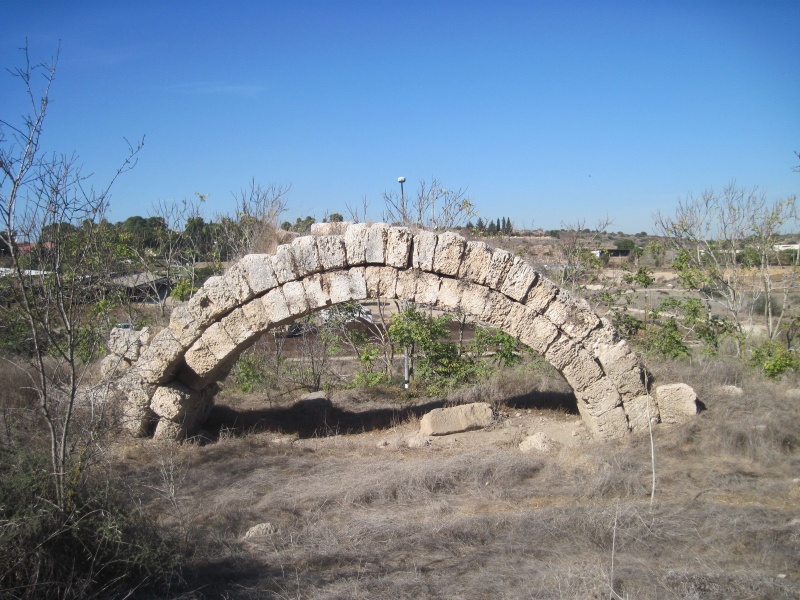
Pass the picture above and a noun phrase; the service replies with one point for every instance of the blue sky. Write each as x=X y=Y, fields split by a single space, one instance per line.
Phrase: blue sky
x=548 y=112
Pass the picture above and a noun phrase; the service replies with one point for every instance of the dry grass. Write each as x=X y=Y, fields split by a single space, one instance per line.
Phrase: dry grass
x=356 y=521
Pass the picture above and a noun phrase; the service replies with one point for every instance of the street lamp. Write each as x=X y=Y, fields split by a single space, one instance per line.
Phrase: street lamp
x=401 y=181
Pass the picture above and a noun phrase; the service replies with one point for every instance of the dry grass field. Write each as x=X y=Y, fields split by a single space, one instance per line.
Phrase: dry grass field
x=357 y=513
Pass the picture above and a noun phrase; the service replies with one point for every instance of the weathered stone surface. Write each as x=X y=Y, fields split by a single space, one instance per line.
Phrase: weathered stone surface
x=381 y=282
x=325 y=229
x=398 y=247
x=450 y=292
x=677 y=402
x=259 y=272
x=211 y=301
x=184 y=325
x=295 y=295
x=520 y=278
x=538 y=442
x=134 y=397
x=424 y=247
x=537 y=332
x=306 y=257
x=639 y=410
x=582 y=371
x=444 y=421
x=257 y=315
x=609 y=425
x=263 y=529
x=376 y=244
x=499 y=267
x=235 y=280
x=427 y=289
x=157 y=361
x=275 y=304
x=332 y=252
x=355 y=241
x=572 y=315
x=474 y=299
x=599 y=398
x=174 y=401
x=343 y=286
x=624 y=367
x=315 y=294
x=733 y=391
x=475 y=266
x=448 y=253
x=406 y=286
x=541 y=295
x=126 y=342
x=283 y=264
x=218 y=342
x=113 y=366
x=497 y=308
x=238 y=327
x=601 y=336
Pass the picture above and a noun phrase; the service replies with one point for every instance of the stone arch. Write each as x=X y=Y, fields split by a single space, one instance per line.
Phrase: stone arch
x=174 y=379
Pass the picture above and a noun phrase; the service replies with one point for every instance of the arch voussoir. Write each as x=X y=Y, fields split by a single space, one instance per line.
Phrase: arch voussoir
x=174 y=379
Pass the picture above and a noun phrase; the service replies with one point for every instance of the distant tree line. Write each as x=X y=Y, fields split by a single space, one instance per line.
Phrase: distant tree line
x=500 y=226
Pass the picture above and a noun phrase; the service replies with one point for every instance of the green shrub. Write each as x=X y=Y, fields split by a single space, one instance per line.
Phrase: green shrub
x=773 y=359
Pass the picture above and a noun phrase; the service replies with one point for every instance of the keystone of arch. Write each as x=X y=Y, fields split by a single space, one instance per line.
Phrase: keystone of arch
x=489 y=286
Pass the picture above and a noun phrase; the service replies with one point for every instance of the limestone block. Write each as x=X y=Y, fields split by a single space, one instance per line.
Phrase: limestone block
x=609 y=425
x=572 y=315
x=174 y=401
x=238 y=326
x=599 y=398
x=200 y=360
x=257 y=315
x=398 y=247
x=423 y=250
x=127 y=342
x=376 y=244
x=355 y=242
x=295 y=295
x=113 y=366
x=259 y=272
x=474 y=299
x=499 y=267
x=448 y=253
x=332 y=253
x=381 y=282
x=343 y=286
x=536 y=332
x=211 y=301
x=193 y=407
x=513 y=323
x=406 y=286
x=306 y=257
x=158 y=361
x=561 y=351
x=169 y=430
x=326 y=229
x=427 y=290
x=235 y=280
x=444 y=421
x=450 y=292
x=184 y=325
x=624 y=367
x=218 y=342
x=134 y=395
x=582 y=371
x=538 y=442
x=639 y=409
x=520 y=278
x=276 y=306
x=602 y=335
x=315 y=295
x=262 y=529
x=496 y=309
x=283 y=264
x=541 y=295
x=475 y=266
x=677 y=402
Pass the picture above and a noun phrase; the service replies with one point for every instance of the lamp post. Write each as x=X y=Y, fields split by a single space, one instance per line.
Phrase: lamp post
x=401 y=181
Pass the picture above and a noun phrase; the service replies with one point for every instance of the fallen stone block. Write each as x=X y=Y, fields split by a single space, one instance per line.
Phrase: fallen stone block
x=538 y=442
x=677 y=403
x=444 y=421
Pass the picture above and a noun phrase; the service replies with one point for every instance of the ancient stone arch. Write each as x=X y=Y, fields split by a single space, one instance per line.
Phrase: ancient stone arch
x=173 y=381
